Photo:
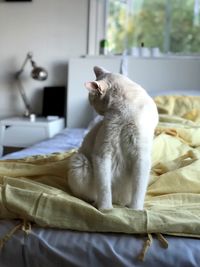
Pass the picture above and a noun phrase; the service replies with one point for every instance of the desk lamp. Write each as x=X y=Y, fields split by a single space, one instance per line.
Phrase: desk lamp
x=37 y=73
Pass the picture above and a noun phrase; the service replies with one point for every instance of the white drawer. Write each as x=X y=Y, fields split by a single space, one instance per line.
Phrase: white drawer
x=21 y=136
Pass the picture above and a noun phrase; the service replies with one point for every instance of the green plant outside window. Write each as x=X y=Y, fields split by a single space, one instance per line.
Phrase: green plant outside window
x=173 y=26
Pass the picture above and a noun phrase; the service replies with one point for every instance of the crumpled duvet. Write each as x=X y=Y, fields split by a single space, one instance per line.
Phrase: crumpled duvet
x=35 y=188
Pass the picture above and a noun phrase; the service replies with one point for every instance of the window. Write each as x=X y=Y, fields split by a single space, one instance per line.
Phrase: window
x=171 y=26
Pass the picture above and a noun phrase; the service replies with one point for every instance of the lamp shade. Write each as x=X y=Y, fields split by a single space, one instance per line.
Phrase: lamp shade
x=39 y=74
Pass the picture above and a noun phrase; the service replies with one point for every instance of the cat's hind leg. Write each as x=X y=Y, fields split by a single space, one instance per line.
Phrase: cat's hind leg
x=80 y=177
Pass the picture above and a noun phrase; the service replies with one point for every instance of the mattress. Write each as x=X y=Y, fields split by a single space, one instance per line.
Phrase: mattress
x=55 y=247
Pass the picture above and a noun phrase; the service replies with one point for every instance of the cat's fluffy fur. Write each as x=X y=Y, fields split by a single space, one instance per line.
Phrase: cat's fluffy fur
x=113 y=163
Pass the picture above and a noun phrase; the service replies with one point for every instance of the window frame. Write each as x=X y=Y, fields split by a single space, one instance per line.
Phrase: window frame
x=97 y=13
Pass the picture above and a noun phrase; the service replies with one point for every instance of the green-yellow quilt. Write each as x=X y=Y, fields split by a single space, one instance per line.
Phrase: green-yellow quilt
x=36 y=188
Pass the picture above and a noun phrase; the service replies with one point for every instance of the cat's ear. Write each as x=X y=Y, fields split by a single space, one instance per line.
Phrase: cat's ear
x=93 y=87
x=99 y=71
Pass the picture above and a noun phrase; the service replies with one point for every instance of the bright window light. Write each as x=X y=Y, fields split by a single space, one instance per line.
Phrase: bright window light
x=170 y=26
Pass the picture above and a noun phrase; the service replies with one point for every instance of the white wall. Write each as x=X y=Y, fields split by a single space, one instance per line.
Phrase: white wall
x=53 y=30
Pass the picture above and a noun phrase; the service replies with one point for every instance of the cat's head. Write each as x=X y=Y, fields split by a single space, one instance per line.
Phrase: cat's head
x=104 y=89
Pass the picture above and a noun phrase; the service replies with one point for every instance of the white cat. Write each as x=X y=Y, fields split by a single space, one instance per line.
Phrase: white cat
x=113 y=163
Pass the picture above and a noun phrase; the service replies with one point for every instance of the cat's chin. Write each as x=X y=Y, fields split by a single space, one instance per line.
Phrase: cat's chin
x=99 y=111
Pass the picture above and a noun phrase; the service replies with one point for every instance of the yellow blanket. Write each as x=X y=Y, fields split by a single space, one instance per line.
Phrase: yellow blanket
x=36 y=189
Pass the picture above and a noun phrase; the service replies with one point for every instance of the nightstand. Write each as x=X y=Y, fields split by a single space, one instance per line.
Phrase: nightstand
x=22 y=132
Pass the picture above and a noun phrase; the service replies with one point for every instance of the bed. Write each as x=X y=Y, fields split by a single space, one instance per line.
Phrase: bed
x=31 y=242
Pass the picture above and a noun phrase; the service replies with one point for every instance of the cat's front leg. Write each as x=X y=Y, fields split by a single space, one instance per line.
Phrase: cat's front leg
x=140 y=178
x=103 y=179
